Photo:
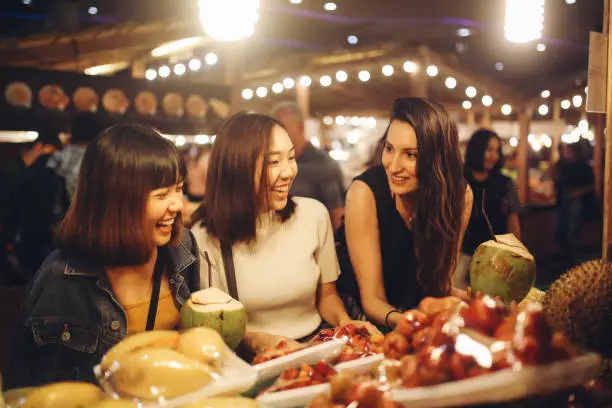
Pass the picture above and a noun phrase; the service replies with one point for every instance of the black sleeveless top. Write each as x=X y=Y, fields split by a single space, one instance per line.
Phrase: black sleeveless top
x=396 y=246
x=496 y=205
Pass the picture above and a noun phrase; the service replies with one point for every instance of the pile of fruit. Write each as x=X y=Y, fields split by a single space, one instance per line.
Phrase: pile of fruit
x=303 y=376
x=359 y=342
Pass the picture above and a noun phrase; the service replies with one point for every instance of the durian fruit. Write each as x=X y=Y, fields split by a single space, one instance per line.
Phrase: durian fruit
x=579 y=304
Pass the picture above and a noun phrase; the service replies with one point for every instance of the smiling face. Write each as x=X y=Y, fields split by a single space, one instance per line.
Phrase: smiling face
x=399 y=158
x=491 y=154
x=281 y=170
x=163 y=206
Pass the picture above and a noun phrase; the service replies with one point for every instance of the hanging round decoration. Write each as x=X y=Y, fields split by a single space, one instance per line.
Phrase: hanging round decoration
x=85 y=99
x=173 y=104
x=146 y=103
x=196 y=106
x=53 y=97
x=18 y=94
x=115 y=101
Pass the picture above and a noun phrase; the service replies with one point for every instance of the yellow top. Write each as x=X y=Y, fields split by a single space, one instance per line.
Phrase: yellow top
x=167 y=318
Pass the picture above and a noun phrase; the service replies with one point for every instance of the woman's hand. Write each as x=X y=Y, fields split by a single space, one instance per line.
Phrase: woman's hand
x=259 y=341
x=362 y=325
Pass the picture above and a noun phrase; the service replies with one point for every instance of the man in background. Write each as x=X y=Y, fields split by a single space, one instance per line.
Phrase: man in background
x=319 y=176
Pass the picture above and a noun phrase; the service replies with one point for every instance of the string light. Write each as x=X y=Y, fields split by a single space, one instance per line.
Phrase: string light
x=341 y=76
x=487 y=100
x=325 y=80
x=506 y=109
x=470 y=92
x=432 y=70
x=247 y=94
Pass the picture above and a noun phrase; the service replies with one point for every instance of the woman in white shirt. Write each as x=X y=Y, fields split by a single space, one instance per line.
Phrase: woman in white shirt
x=282 y=248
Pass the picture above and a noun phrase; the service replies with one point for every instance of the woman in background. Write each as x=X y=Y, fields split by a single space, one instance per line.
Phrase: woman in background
x=493 y=192
x=124 y=263
x=405 y=218
x=195 y=183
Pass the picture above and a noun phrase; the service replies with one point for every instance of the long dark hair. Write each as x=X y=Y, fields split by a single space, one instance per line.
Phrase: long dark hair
x=475 y=151
x=441 y=191
x=232 y=205
x=105 y=223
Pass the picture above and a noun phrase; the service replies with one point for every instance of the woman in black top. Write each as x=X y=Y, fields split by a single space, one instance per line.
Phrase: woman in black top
x=404 y=219
x=493 y=191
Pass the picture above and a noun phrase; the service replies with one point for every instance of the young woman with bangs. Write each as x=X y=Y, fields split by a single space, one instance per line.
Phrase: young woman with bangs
x=280 y=248
x=124 y=263
x=405 y=219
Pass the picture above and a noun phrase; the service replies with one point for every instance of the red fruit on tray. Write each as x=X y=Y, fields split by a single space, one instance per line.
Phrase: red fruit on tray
x=484 y=314
x=396 y=345
x=411 y=322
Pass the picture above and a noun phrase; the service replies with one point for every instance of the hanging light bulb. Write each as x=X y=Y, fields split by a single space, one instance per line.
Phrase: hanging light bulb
x=222 y=22
x=524 y=20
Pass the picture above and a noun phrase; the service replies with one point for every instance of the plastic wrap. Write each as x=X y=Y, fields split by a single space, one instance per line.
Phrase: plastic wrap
x=169 y=368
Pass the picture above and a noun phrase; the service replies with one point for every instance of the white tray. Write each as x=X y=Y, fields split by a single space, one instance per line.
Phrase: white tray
x=235 y=376
x=301 y=397
x=502 y=386
x=327 y=351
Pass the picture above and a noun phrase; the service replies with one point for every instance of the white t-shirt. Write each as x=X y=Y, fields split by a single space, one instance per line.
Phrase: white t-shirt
x=277 y=276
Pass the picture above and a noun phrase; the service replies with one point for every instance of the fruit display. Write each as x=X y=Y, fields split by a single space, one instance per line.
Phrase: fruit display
x=62 y=394
x=272 y=353
x=359 y=342
x=579 y=304
x=503 y=268
x=303 y=376
x=217 y=310
x=163 y=364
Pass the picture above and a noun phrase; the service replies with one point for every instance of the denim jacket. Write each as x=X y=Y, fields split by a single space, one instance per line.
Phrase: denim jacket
x=71 y=317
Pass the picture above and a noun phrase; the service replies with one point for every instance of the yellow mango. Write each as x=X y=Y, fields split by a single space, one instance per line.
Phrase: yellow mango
x=112 y=403
x=166 y=339
x=151 y=373
x=202 y=344
x=64 y=395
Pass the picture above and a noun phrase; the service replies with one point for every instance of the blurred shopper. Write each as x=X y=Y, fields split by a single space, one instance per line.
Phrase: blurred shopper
x=67 y=162
x=195 y=181
x=320 y=177
x=124 y=263
x=276 y=250
x=494 y=193
x=27 y=199
x=405 y=218
x=576 y=200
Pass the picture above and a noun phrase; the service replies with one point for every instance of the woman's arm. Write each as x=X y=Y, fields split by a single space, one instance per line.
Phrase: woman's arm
x=361 y=223
x=330 y=305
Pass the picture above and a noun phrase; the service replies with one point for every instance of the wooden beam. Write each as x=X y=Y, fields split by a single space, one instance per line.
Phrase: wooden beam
x=523 y=155
x=303 y=98
x=607 y=196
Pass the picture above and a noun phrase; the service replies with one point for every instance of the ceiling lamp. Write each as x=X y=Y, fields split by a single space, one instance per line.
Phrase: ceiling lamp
x=277 y=87
x=450 y=83
x=466 y=105
x=543 y=109
x=330 y=6
x=545 y=94
x=387 y=70
x=499 y=66
x=487 y=100
x=410 y=67
x=247 y=94
x=229 y=20
x=195 y=64
x=577 y=101
x=325 y=80
x=470 y=92
x=341 y=76
x=295 y=1
x=179 y=69
x=464 y=32
x=364 y=76
x=524 y=20
x=164 y=71
x=150 y=74
x=93 y=10
x=288 y=83
x=432 y=70
x=565 y=104
x=106 y=69
x=541 y=47
x=211 y=58
x=352 y=39
x=261 y=92
x=506 y=109
x=305 y=81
